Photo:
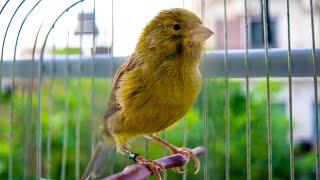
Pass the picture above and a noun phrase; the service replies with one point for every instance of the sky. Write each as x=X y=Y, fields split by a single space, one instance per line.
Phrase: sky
x=129 y=18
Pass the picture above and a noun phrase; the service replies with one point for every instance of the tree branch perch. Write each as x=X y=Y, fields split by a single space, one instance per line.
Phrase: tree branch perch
x=140 y=172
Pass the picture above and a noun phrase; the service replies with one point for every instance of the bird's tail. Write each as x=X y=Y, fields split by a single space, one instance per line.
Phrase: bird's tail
x=101 y=154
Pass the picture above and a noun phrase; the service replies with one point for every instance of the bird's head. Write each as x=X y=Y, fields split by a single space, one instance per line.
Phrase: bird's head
x=174 y=33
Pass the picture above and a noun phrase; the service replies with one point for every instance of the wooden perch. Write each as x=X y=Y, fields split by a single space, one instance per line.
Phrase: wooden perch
x=140 y=172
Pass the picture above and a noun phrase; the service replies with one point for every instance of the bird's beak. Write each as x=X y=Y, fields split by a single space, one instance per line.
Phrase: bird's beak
x=200 y=33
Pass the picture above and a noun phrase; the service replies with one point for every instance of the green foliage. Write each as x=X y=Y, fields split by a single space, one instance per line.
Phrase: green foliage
x=63 y=51
x=71 y=100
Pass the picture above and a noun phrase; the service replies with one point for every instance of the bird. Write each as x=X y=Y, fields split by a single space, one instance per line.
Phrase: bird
x=154 y=88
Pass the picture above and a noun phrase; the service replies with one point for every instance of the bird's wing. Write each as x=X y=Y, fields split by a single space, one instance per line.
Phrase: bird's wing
x=113 y=105
x=104 y=148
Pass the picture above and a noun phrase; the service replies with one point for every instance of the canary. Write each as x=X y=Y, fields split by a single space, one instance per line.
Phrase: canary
x=154 y=88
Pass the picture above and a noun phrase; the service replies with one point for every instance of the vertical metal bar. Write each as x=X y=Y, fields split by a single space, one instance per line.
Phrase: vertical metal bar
x=315 y=80
x=29 y=98
x=12 y=92
x=39 y=125
x=266 y=46
x=164 y=152
x=112 y=41
x=1 y=60
x=184 y=141
x=50 y=110
x=38 y=149
x=248 y=133
x=290 y=94
x=226 y=69
x=29 y=116
x=66 y=109
x=12 y=117
x=77 y=150
x=112 y=30
x=93 y=128
x=39 y=118
x=146 y=147
x=205 y=107
x=184 y=130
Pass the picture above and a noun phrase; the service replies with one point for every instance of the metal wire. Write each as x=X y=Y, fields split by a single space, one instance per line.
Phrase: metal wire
x=164 y=152
x=112 y=32
x=184 y=130
x=93 y=134
x=290 y=94
x=185 y=139
x=112 y=66
x=205 y=107
x=146 y=147
x=50 y=111
x=1 y=60
x=39 y=125
x=227 y=106
x=39 y=118
x=248 y=133
x=78 y=121
x=12 y=92
x=28 y=119
x=4 y=6
x=315 y=80
x=266 y=47
x=66 y=109
x=12 y=120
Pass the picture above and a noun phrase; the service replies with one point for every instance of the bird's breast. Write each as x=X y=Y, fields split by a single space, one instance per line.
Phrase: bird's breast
x=160 y=102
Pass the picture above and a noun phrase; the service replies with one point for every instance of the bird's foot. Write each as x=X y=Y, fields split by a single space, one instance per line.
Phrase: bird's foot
x=175 y=150
x=188 y=153
x=154 y=166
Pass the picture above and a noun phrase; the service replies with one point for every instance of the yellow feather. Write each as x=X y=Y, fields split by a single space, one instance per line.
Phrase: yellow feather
x=160 y=81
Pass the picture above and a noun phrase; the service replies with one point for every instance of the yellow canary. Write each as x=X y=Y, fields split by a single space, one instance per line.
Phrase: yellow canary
x=155 y=87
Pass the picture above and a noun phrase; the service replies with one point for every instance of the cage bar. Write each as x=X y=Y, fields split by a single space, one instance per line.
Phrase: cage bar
x=50 y=112
x=205 y=105
x=13 y=72
x=247 y=71
x=265 y=7
x=227 y=105
x=92 y=122
x=66 y=115
x=290 y=94
x=78 y=135
x=315 y=80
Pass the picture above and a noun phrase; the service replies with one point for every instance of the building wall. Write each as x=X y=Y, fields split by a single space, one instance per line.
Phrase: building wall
x=300 y=21
x=301 y=37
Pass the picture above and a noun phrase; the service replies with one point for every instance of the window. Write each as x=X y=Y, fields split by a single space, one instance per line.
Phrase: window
x=256 y=33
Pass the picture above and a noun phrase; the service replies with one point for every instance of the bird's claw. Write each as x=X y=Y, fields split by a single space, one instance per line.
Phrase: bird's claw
x=178 y=171
x=188 y=153
x=154 y=166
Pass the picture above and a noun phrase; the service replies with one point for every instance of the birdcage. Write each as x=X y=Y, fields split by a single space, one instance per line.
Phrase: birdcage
x=256 y=116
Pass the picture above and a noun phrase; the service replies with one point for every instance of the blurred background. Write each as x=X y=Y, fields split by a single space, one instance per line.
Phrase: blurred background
x=57 y=63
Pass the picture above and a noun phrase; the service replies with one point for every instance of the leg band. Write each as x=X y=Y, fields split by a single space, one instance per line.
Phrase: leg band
x=132 y=156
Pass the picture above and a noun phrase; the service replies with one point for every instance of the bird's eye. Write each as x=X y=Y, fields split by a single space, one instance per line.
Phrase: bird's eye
x=176 y=27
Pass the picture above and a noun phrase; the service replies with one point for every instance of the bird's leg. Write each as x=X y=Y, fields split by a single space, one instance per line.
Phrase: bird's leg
x=175 y=150
x=154 y=166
